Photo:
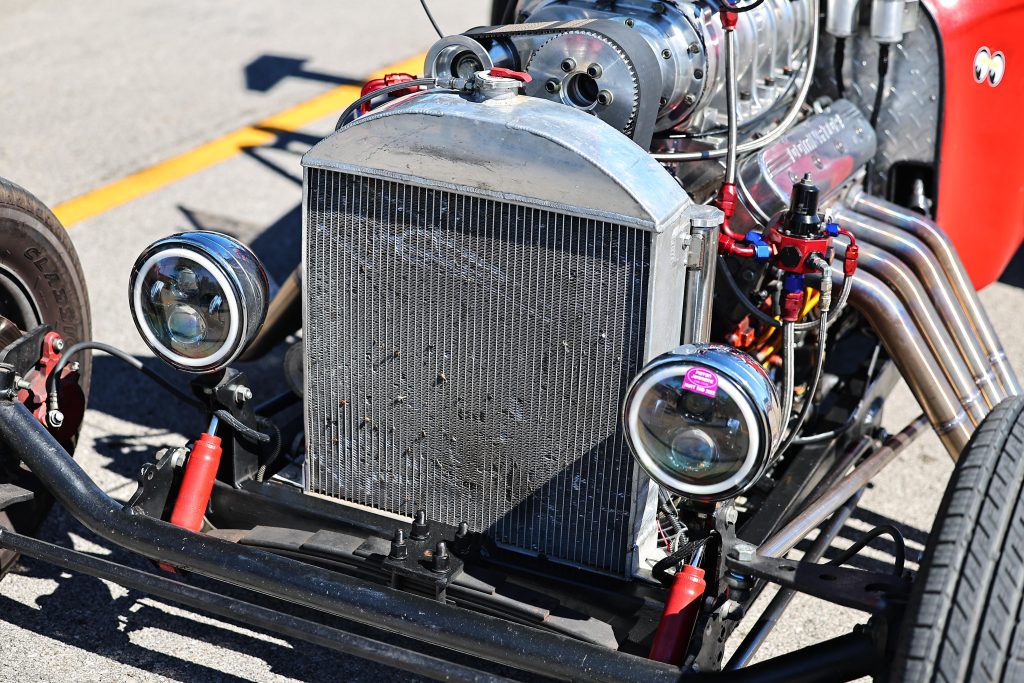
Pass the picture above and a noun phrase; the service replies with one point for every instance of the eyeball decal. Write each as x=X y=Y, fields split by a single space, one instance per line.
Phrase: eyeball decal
x=989 y=67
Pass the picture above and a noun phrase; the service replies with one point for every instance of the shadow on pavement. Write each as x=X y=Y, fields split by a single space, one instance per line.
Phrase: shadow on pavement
x=267 y=71
x=82 y=612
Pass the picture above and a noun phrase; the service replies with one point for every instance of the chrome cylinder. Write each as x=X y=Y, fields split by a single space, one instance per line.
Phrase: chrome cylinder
x=701 y=267
x=916 y=256
x=899 y=335
x=949 y=261
x=927 y=324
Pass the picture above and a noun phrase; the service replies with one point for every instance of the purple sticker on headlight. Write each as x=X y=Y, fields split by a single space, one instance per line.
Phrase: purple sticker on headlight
x=701 y=381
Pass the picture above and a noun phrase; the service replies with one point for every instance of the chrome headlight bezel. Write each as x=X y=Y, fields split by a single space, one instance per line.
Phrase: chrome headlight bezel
x=750 y=389
x=240 y=277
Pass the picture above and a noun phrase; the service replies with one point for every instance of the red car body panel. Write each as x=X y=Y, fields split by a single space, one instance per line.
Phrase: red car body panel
x=981 y=172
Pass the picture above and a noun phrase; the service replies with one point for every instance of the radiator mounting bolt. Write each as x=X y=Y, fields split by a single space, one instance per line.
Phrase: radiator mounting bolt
x=441 y=560
x=399 y=550
x=420 y=527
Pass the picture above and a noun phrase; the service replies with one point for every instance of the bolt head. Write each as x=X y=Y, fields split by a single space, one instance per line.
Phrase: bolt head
x=242 y=394
x=744 y=552
x=568 y=64
x=55 y=418
x=58 y=344
x=552 y=86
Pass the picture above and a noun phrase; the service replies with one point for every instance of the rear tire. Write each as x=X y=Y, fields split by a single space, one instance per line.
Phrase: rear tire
x=965 y=619
x=41 y=282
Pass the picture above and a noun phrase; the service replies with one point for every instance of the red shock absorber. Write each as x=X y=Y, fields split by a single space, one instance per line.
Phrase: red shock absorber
x=197 y=484
x=680 y=616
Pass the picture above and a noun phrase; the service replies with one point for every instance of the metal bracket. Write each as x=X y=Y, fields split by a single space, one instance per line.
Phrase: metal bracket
x=413 y=560
x=854 y=588
x=227 y=390
x=155 y=482
x=12 y=495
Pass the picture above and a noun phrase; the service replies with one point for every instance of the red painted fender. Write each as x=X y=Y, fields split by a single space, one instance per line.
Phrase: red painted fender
x=981 y=173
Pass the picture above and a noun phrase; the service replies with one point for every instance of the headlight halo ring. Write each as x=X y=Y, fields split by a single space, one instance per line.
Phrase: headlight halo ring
x=240 y=281
x=750 y=391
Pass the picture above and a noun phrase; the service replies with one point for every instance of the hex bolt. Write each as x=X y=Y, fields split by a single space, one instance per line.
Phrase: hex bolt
x=698 y=74
x=399 y=550
x=75 y=366
x=689 y=100
x=442 y=561
x=744 y=552
x=552 y=86
x=58 y=344
x=666 y=54
x=55 y=418
x=605 y=97
x=693 y=48
x=242 y=394
x=420 y=527
x=568 y=64
x=595 y=71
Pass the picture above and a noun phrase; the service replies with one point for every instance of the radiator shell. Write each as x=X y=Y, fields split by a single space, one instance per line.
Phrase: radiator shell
x=483 y=280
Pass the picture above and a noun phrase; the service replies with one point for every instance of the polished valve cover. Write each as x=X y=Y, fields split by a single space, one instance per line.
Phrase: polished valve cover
x=483 y=280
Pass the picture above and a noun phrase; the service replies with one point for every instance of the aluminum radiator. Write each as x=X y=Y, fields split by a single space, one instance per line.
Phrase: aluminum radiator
x=467 y=347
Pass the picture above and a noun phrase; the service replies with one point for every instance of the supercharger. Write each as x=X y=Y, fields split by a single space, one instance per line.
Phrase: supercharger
x=570 y=62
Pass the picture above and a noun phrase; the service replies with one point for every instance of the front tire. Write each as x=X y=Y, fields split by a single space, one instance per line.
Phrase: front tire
x=965 y=619
x=41 y=282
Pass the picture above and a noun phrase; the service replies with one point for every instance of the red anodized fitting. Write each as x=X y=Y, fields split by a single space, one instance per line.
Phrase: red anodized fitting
x=680 y=615
x=197 y=484
x=729 y=19
x=378 y=83
x=729 y=241
x=852 y=252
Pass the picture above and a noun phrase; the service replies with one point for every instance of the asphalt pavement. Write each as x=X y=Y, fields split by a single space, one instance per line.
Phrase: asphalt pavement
x=94 y=92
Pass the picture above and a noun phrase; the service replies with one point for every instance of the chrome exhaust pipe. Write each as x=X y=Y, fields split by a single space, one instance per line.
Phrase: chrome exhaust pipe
x=898 y=332
x=927 y=324
x=949 y=261
x=907 y=253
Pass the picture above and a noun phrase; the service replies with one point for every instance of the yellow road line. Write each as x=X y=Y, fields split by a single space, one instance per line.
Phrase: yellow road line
x=166 y=172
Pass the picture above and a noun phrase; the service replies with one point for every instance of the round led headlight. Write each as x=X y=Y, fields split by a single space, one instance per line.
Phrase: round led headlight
x=198 y=299
x=703 y=420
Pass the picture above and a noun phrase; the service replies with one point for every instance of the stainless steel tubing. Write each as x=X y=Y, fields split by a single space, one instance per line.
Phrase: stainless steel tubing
x=817 y=512
x=916 y=301
x=932 y=235
x=915 y=361
x=937 y=286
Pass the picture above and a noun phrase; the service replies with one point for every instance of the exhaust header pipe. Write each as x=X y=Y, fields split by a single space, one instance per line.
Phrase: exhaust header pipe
x=915 y=293
x=949 y=262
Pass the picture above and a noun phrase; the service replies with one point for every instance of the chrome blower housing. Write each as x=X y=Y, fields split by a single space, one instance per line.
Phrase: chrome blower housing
x=703 y=420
